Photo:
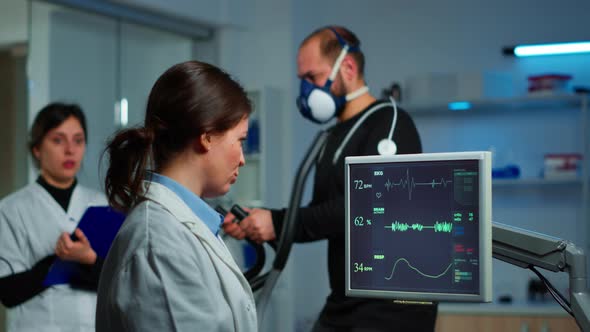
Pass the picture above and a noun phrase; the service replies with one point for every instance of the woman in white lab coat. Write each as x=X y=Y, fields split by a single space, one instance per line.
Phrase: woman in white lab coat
x=168 y=269
x=35 y=226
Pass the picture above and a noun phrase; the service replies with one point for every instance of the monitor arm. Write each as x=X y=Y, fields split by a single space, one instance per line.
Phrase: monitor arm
x=525 y=249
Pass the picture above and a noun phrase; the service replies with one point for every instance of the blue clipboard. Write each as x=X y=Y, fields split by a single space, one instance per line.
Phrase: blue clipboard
x=100 y=224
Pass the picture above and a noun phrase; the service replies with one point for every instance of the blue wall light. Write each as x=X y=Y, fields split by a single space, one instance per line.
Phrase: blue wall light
x=548 y=49
x=459 y=106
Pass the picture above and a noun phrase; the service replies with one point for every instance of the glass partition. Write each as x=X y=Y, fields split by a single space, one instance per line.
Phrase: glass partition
x=104 y=64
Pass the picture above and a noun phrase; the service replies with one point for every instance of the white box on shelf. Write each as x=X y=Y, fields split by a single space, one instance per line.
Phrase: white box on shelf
x=485 y=85
x=430 y=88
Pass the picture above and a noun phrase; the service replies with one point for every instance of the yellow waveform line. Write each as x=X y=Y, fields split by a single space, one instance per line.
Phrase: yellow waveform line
x=415 y=269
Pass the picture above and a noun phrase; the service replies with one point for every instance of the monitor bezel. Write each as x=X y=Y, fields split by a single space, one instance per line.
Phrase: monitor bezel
x=485 y=227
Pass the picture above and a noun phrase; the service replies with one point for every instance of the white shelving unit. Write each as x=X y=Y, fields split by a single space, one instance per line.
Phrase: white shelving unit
x=525 y=103
x=524 y=106
x=261 y=184
x=537 y=182
x=263 y=168
x=521 y=130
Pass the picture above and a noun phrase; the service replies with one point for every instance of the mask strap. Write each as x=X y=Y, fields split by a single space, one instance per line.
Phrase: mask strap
x=345 y=49
x=355 y=94
x=343 y=42
x=338 y=63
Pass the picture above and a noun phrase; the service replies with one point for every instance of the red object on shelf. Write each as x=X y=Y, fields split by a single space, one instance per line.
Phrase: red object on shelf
x=564 y=160
x=562 y=165
x=549 y=82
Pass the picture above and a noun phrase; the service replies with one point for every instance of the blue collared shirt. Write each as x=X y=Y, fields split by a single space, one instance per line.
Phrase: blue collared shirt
x=208 y=215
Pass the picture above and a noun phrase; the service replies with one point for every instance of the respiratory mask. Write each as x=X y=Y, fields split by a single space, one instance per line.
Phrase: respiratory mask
x=317 y=103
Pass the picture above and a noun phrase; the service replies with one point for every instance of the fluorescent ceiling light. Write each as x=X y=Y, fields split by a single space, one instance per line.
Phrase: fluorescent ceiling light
x=549 y=49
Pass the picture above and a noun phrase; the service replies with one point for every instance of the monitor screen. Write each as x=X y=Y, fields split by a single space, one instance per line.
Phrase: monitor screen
x=419 y=227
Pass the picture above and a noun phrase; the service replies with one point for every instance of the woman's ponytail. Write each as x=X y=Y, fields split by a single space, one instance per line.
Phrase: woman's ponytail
x=129 y=157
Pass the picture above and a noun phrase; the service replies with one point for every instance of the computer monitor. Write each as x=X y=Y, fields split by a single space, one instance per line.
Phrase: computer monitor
x=418 y=227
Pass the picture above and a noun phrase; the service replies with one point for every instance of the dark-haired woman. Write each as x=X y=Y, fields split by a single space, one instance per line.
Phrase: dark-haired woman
x=35 y=226
x=168 y=269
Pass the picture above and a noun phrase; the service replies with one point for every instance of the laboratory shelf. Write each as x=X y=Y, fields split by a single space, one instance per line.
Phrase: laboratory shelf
x=530 y=182
x=558 y=102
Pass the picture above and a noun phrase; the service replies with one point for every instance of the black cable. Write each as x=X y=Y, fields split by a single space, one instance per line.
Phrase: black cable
x=563 y=302
x=253 y=271
x=7 y=263
x=258 y=282
x=221 y=210
x=260 y=260
x=549 y=285
x=240 y=215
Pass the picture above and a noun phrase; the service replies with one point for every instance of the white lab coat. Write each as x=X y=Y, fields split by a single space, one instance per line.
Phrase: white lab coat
x=166 y=271
x=31 y=221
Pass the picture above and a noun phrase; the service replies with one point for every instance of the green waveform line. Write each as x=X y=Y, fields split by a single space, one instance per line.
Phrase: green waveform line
x=415 y=269
x=445 y=227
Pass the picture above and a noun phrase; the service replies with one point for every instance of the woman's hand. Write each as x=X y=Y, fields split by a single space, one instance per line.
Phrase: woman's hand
x=231 y=228
x=78 y=251
x=257 y=226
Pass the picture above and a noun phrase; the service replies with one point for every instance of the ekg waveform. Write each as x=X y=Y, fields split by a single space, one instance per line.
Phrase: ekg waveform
x=418 y=271
x=445 y=227
x=410 y=183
